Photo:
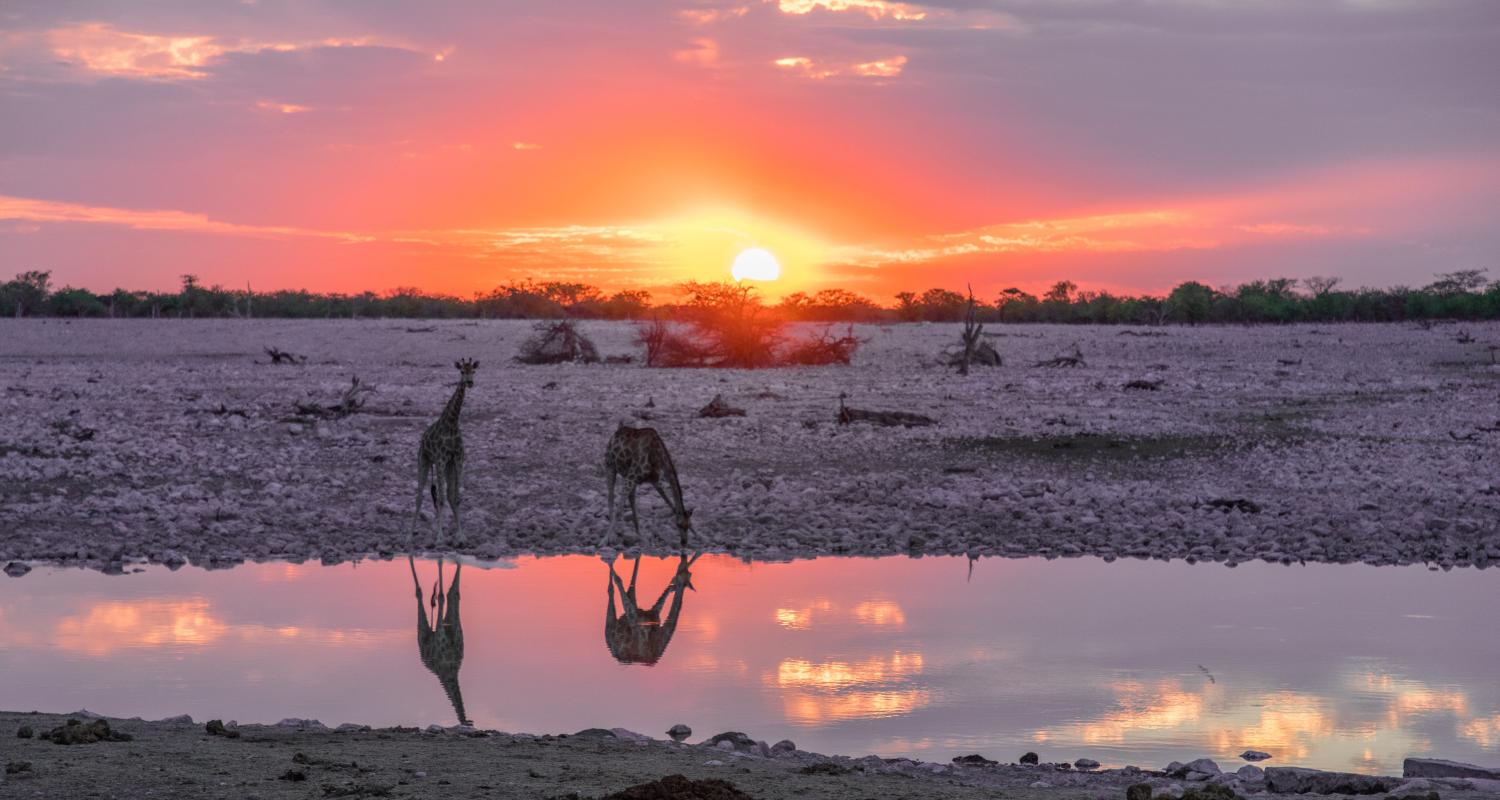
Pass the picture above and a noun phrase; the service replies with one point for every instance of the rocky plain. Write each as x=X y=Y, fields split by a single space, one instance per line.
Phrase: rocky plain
x=180 y=441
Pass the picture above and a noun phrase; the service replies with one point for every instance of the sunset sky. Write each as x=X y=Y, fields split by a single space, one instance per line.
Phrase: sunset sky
x=877 y=146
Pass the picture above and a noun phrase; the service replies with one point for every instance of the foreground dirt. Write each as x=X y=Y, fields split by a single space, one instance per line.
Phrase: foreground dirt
x=174 y=441
x=181 y=759
x=170 y=760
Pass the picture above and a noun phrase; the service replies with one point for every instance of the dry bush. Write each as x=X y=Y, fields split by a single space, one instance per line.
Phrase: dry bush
x=823 y=348
x=557 y=343
x=731 y=324
x=667 y=345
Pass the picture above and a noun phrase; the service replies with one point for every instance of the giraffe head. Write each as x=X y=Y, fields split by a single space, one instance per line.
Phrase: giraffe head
x=466 y=367
x=685 y=521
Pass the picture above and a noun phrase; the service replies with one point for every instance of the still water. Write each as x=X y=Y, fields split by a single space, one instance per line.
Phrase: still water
x=1338 y=667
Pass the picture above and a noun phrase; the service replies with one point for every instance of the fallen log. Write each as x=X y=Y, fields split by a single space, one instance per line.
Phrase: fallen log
x=1074 y=360
x=905 y=419
x=352 y=401
x=718 y=408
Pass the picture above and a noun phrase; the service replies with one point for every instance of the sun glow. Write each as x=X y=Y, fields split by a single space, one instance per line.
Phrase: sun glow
x=756 y=264
x=701 y=244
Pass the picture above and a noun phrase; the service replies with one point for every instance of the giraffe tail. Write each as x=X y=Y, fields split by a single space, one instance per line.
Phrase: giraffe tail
x=433 y=487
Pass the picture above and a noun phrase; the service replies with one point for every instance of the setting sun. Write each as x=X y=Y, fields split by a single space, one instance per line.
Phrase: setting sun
x=756 y=264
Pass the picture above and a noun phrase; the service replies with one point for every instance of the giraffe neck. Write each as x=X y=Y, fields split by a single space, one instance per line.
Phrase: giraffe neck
x=449 y=419
x=675 y=492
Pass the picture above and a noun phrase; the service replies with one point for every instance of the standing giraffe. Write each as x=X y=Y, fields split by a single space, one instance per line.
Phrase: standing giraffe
x=640 y=456
x=440 y=640
x=440 y=460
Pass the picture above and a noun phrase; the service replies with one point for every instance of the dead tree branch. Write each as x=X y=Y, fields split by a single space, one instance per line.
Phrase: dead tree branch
x=718 y=408
x=352 y=401
x=905 y=419
x=284 y=357
x=1074 y=360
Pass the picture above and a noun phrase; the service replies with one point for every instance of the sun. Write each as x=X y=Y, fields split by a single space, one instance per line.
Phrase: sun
x=756 y=264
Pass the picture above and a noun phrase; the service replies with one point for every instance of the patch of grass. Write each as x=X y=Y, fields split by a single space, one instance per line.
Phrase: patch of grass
x=1088 y=446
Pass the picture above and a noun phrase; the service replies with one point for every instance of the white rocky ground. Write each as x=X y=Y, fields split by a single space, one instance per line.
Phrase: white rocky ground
x=1370 y=443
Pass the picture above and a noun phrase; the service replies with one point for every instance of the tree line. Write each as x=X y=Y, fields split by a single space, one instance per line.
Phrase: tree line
x=1465 y=294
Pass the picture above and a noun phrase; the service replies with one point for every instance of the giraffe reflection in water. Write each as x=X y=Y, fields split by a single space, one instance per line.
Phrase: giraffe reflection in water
x=638 y=635
x=440 y=637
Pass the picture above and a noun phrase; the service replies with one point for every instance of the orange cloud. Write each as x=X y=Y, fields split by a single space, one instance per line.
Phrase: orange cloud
x=281 y=108
x=704 y=52
x=882 y=12
x=819 y=70
x=26 y=209
x=708 y=16
x=874 y=9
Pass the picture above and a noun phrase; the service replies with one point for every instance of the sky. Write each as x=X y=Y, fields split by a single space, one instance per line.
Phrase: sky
x=344 y=145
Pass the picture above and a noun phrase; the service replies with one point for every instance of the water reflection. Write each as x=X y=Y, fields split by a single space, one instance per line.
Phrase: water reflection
x=638 y=635
x=1335 y=667
x=440 y=637
x=106 y=627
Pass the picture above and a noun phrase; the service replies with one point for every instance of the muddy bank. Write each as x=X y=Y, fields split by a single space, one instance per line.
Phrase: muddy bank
x=180 y=758
x=175 y=441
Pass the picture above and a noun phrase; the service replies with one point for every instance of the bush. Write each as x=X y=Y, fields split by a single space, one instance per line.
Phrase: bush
x=666 y=346
x=823 y=348
x=557 y=343
x=731 y=324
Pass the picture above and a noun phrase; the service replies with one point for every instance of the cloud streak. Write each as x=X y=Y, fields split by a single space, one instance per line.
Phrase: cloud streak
x=23 y=209
x=102 y=50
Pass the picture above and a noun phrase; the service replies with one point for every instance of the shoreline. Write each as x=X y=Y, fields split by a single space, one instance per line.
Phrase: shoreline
x=23 y=566
x=181 y=758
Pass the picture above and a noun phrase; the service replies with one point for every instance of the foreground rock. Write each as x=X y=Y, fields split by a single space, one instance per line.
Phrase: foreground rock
x=1296 y=780
x=677 y=787
x=75 y=732
x=1438 y=768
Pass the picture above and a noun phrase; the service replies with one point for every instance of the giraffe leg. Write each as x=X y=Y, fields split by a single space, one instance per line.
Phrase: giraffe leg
x=438 y=490
x=668 y=501
x=613 y=507
x=424 y=474
x=635 y=516
x=453 y=501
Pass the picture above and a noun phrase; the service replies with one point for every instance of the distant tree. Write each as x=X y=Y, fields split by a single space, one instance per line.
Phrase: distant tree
x=828 y=305
x=1061 y=292
x=626 y=304
x=1017 y=306
x=942 y=305
x=906 y=307
x=1320 y=285
x=189 y=294
x=1189 y=302
x=27 y=292
x=71 y=302
x=1464 y=280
